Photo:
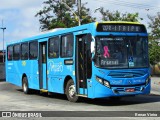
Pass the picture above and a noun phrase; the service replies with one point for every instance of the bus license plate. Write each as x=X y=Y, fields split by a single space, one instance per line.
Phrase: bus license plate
x=130 y=90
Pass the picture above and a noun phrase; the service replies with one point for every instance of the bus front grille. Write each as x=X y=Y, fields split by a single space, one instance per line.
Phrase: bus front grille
x=131 y=74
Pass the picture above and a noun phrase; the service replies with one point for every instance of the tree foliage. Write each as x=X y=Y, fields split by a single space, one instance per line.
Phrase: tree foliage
x=56 y=14
x=154 y=52
x=154 y=25
x=117 y=16
x=154 y=38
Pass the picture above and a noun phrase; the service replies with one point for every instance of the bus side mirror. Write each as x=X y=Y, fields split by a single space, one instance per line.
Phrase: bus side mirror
x=92 y=47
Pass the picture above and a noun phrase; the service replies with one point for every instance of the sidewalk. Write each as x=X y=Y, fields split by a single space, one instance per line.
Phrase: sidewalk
x=155 y=85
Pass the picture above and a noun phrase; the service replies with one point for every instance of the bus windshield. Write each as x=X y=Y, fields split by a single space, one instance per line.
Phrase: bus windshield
x=121 y=52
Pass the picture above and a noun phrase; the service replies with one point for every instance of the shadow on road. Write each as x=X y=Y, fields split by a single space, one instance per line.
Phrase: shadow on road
x=46 y=95
x=130 y=100
x=124 y=101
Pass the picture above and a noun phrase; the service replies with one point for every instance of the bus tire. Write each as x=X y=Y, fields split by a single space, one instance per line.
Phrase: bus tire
x=70 y=91
x=25 y=88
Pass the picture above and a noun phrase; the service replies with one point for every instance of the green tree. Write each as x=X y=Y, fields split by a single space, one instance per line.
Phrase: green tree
x=154 y=25
x=154 y=38
x=117 y=16
x=86 y=15
x=56 y=14
x=154 y=52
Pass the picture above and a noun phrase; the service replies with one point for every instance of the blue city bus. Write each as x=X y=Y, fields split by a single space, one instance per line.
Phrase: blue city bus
x=95 y=60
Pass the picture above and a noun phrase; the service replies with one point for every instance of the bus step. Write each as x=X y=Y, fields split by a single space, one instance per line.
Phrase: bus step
x=43 y=90
x=80 y=95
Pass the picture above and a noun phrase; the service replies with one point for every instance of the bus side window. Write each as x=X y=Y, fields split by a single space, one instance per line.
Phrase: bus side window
x=24 y=51
x=33 y=50
x=67 y=46
x=10 y=52
x=53 y=47
x=16 y=52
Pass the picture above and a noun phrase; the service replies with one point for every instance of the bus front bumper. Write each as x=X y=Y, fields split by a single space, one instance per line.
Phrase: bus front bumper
x=102 y=91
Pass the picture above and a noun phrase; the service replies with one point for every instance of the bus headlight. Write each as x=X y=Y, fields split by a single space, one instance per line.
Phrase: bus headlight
x=99 y=80
x=147 y=81
x=103 y=82
x=106 y=83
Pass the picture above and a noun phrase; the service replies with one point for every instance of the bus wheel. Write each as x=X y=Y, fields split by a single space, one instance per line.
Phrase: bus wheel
x=25 y=88
x=70 y=91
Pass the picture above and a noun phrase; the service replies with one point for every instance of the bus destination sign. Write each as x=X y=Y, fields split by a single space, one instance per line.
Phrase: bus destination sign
x=120 y=28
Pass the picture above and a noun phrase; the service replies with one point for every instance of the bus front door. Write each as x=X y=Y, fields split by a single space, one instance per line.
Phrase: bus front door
x=42 y=65
x=83 y=63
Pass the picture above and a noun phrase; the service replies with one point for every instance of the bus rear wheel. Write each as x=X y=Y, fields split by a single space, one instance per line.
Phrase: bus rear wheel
x=25 y=88
x=70 y=91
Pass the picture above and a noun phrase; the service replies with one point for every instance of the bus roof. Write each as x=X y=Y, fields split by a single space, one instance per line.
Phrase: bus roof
x=59 y=31
x=125 y=22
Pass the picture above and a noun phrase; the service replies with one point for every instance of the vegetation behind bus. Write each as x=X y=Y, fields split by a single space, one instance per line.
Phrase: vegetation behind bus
x=154 y=46
x=57 y=15
x=63 y=17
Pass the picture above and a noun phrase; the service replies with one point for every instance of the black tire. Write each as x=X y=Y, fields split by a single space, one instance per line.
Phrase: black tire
x=25 y=88
x=70 y=91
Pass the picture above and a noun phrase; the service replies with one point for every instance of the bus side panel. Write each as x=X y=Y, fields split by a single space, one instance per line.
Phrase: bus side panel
x=55 y=84
x=32 y=74
x=16 y=69
x=55 y=78
x=9 y=72
x=13 y=72
x=57 y=72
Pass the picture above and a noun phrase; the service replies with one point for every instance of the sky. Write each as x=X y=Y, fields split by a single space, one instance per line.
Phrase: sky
x=19 y=15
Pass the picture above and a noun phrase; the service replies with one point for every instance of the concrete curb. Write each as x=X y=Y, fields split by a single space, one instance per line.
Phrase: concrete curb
x=154 y=93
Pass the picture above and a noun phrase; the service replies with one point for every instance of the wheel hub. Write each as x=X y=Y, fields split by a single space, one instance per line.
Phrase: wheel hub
x=24 y=87
x=72 y=91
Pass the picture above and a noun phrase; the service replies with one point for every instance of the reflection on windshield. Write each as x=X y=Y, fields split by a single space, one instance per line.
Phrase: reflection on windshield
x=121 y=52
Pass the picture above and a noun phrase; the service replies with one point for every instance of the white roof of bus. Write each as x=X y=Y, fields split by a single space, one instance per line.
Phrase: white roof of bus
x=52 y=30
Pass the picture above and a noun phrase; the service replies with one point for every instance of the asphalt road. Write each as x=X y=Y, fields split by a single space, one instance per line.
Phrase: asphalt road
x=13 y=99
